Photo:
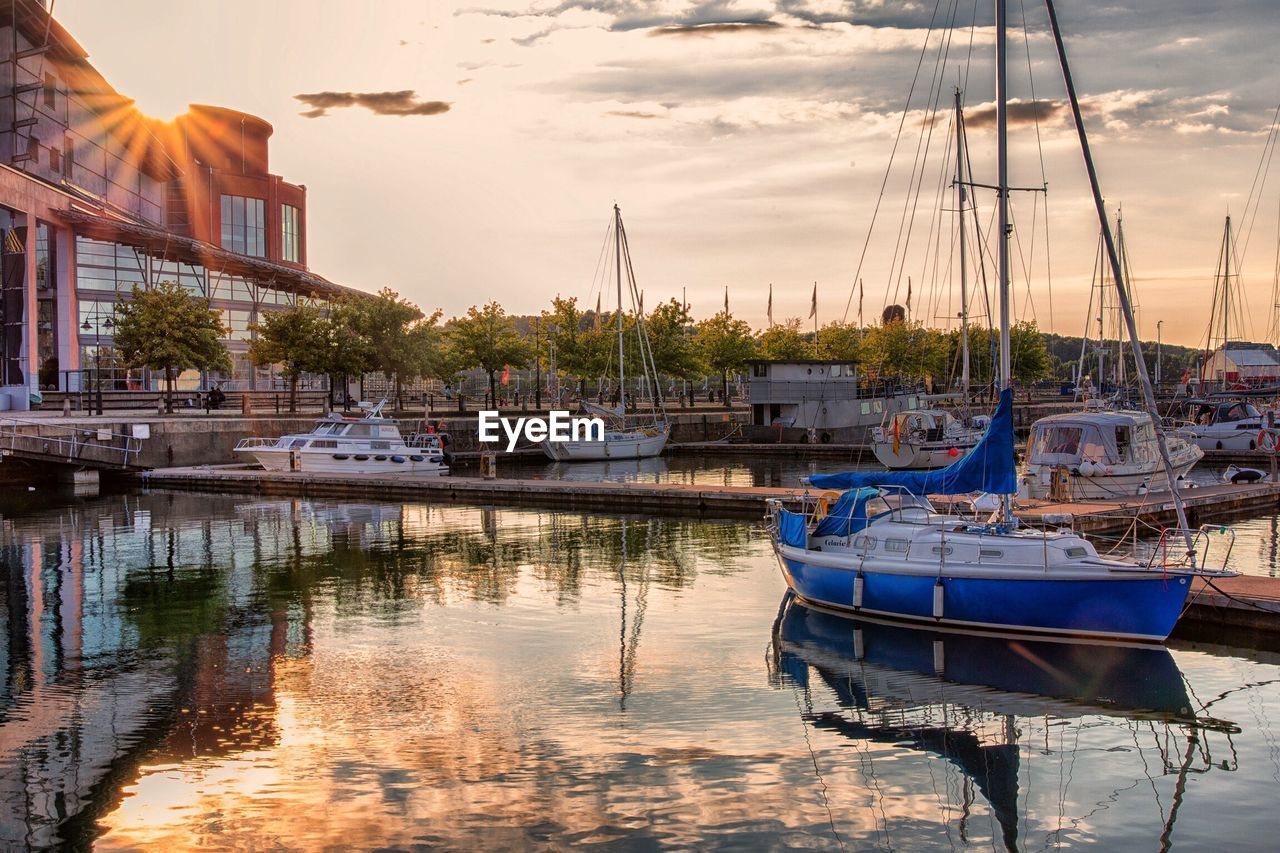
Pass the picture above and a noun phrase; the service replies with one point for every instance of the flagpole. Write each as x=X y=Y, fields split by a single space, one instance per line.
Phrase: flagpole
x=814 y=312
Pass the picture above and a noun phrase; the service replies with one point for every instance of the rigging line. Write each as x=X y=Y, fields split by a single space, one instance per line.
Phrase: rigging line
x=817 y=771
x=935 y=227
x=926 y=136
x=1044 y=179
x=1262 y=170
x=906 y=109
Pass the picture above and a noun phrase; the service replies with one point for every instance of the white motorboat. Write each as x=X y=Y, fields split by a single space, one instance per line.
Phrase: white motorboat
x=925 y=438
x=1223 y=425
x=1100 y=454
x=370 y=444
x=624 y=437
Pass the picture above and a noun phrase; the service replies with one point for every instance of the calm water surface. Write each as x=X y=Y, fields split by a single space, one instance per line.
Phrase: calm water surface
x=212 y=672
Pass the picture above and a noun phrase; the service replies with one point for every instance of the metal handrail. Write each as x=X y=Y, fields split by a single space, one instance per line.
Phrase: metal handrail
x=66 y=442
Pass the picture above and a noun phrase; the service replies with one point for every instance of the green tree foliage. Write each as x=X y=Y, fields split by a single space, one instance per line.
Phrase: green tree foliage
x=296 y=339
x=167 y=328
x=725 y=344
x=840 y=342
x=674 y=351
x=783 y=341
x=487 y=338
x=906 y=351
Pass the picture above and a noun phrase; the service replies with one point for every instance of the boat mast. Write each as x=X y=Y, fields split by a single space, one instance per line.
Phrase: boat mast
x=617 y=256
x=1226 y=296
x=1002 y=199
x=964 y=281
x=1113 y=258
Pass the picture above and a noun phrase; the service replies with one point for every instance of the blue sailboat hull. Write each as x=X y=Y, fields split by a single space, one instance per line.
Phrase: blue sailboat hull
x=1139 y=608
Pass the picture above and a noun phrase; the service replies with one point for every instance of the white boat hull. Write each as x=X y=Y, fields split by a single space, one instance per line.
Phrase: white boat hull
x=273 y=459
x=930 y=455
x=1122 y=481
x=1224 y=437
x=629 y=445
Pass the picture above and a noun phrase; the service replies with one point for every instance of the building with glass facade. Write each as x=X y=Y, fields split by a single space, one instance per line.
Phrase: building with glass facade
x=96 y=199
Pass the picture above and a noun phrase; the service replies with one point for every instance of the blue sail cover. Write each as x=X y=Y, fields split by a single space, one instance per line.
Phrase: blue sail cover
x=989 y=466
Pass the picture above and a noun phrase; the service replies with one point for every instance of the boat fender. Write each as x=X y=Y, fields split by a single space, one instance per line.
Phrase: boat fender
x=341 y=457
x=399 y=459
x=360 y=457
x=380 y=458
x=857 y=592
x=1086 y=468
x=937 y=600
x=437 y=459
x=417 y=458
x=825 y=438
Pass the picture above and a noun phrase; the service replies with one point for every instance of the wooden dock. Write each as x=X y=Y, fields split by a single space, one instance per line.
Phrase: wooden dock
x=1112 y=516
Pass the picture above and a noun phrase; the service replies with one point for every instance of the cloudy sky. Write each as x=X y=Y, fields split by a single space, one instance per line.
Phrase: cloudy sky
x=462 y=151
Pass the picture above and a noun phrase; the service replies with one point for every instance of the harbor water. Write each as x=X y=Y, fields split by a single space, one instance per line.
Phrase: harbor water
x=211 y=672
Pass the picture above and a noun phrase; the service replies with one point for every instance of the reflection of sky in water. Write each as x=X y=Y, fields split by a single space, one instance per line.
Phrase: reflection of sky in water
x=201 y=672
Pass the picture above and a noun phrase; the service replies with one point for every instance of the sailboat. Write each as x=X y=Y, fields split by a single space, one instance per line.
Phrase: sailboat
x=882 y=549
x=934 y=437
x=623 y=438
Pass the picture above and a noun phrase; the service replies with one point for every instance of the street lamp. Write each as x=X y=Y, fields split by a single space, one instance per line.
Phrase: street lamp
x=97 y=355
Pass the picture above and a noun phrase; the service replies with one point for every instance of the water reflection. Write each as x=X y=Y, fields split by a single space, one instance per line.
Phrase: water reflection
x=960 y=697
x=204 y=672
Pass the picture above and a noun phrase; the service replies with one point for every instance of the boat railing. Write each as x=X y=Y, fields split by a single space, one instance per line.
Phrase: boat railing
x=254 y=443
x=1171 y=549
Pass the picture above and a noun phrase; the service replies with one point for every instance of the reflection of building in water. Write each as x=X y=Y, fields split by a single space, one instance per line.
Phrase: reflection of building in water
x=966 y=697
x=119 y=640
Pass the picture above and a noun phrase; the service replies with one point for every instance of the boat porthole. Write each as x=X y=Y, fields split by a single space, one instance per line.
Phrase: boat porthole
x=416 y=458
x=826 y=438
x=380 y=458
x=360 y=457
x=397 y=459
x=341 y=456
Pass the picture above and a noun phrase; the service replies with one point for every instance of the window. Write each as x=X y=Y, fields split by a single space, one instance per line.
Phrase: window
x=867 y=543
x=55 y=160
x=244 y=225
x=898 y=545
x=68 y=156
x=992 y=553
x=1077 y=552
x=50 y=91
x=290 y=237
x=943 y=550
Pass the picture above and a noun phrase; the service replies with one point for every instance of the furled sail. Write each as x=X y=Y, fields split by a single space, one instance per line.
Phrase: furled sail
x=989 y=466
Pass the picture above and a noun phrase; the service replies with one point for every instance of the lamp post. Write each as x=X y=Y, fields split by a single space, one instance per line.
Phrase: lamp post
x=97 y=328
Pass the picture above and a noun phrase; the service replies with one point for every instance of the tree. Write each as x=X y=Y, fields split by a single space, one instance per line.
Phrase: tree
x=674 y=352
x=295 y=339
x=840 y=342
x=487 y=338
x=167 y=328
x=905 y=350
x=346 y=351
x=783 y=341
x=725 y=344
x=1028 y=354
x=384 y=322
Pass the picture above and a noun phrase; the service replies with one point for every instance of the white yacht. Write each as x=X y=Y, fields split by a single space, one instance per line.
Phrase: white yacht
x=1223 y=425
x=1100 y=454
x=925 y=438
x=370 y=444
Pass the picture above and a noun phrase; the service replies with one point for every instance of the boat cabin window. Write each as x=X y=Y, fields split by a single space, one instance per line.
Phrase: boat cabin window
x=990 y=553
x=912 y=403
x=379 y=445
x=1122 y=441
x=878 y=405
x=898 y=545
x=359 y=431
x=866 y=543
x=1077 y=551
x=943 y=550
x=866 y=407
x=297 y=443
x=877 y=506
x=1058 y=439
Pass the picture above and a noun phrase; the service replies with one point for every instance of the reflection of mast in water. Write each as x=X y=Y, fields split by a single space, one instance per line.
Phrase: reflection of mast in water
x=899 y=685
x=628 y=642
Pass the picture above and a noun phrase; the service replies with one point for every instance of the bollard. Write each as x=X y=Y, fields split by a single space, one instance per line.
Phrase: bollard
x=489 y=465
x=66 y=407
x=246 y=404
